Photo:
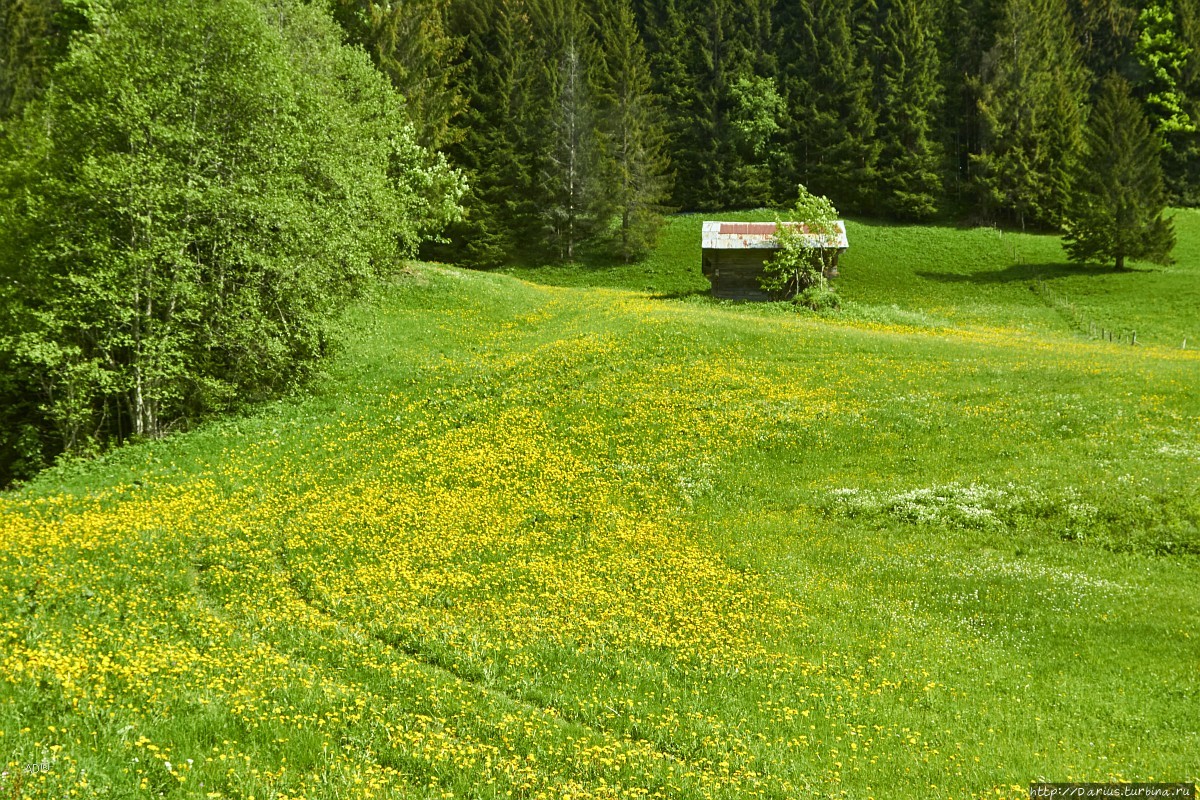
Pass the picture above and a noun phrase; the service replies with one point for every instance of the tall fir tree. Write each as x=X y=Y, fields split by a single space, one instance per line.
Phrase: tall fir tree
x=702 y=152
x=573 y=204
x=1032 y=97
x=716 y=43
x=667 y=47
x=411 y=44
x=1106 y=31
x=632 y=130
x=496 y=151
x=1181 y=159
x=829 y=124
x=908 y=99
x=967 y=32
x=34 y=36
x=1116 y=210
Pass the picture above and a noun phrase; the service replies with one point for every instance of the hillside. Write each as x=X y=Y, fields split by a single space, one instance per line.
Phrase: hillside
x=613 y=539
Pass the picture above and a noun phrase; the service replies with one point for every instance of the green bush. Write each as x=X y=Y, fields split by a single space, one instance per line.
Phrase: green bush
x=797 y=270
x=186 y=208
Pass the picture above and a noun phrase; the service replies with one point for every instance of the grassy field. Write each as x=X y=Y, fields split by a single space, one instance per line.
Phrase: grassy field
x=612 y=539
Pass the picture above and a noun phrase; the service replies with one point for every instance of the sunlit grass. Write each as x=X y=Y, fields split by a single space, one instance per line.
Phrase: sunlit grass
x=534 y=541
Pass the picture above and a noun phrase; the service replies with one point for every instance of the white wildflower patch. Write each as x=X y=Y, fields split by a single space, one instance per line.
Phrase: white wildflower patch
x=973 y=506
x=1180 y=451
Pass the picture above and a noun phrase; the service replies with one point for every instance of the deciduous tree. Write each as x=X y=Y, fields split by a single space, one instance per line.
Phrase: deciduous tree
x=187 y=206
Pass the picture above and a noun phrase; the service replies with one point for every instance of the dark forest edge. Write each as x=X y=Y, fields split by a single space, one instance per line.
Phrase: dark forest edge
x=192 y=191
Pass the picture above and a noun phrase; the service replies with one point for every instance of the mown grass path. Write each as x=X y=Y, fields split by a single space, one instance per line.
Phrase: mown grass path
x=550 y=542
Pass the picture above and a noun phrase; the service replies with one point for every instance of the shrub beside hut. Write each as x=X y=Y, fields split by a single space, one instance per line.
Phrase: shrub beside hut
x=734 y=253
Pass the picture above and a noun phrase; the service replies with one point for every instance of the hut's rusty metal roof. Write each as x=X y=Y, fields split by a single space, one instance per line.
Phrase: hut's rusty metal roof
x=761 y=235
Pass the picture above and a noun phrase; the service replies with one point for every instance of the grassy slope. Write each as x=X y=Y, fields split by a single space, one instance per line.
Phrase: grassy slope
x=944 y=275
x=538 y=540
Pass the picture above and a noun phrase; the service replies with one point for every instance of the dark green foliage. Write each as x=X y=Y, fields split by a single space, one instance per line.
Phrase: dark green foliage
x=908 y=99
x=667 y=47
x=631 y=127
x=829 y=121
x=1116 y=211
x=409 y=42
x=1031 y=100
x=700 y=52
x=33 y=38
x=703 y=147
x=968 y=31
x=1181 y=160
x=197 y=193
x=1106 y=30
x=573 y=201
x=495 y=152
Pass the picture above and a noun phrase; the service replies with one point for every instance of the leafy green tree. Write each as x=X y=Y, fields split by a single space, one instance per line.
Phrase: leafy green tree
x=1116 y=211
x=799 y=267
x=1166 y=51
x=185 y=209
x=1031 y=101
x=632 y=129
x=755 y=119
x=907 y=105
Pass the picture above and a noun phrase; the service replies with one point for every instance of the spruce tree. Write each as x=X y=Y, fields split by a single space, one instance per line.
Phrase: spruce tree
x=1116 y=209
x=968 y=31
x=668 y=43
x=1106 y=31
x=907 y=103
x=409 y=42
x=1031 y=100
x=718 y=49
x=829 y=124
x=1181 y=157
x=496 y=150
x=571 y=198
x=631 y=124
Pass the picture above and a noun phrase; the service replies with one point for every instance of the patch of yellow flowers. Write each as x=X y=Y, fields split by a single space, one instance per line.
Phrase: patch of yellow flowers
x=486 y=585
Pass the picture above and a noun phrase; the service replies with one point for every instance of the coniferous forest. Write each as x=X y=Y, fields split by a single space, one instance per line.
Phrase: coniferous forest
x=190 y=190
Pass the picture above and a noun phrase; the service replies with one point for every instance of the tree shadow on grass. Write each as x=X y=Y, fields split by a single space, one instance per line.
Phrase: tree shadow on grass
x=1026 y=272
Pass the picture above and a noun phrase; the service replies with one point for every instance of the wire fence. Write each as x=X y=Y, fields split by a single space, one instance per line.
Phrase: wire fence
x=1079 y=319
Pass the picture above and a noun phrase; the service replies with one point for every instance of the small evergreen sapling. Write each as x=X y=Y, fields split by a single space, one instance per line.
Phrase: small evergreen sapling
x=797 y=270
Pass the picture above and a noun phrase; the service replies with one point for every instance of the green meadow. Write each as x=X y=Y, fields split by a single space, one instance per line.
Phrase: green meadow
x=584 y=532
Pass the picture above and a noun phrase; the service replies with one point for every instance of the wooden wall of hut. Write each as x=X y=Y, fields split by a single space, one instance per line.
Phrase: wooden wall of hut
x=735 y=274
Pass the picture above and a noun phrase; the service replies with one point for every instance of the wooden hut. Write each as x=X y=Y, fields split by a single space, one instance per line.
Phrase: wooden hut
x=734 y=253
